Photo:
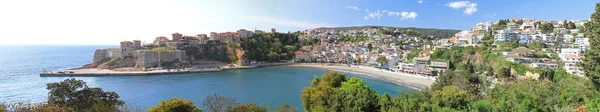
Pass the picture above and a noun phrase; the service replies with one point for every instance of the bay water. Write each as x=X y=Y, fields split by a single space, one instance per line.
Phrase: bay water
x=20 y=66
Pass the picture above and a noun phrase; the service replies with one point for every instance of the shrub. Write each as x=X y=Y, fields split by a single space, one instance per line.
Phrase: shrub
x=175 y=105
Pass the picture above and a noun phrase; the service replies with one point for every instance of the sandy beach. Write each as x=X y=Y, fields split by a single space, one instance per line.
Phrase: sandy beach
x=414 y=81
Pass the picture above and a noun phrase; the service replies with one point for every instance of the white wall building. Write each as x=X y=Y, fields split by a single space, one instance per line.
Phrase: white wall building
x=528 y=24
x=582 y=43
x=570 y=56
x=571 y=65
x=506 y=36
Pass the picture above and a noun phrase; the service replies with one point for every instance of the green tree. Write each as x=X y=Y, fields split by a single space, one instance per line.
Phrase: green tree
x=482 y=106
x=248 y=108
x=591 y=60
x=451 y=96
x=285 y=108
x=357 y=97
x=381 y=60
x=547 y=28
x=335 y=93
x=175 y=105
x=76 y=94
x=218 y=103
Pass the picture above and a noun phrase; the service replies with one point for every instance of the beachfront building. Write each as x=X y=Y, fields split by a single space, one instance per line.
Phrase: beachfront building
x=302 y=56
x=406 y=66
x=421 y=64
x=438 y=66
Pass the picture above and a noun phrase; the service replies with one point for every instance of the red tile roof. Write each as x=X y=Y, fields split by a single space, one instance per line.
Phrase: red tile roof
x=301 y=53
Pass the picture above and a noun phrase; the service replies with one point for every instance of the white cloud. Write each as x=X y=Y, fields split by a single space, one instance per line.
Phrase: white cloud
x=353 y=7
x=391 y=13
x=291 y=23
x=404 y=15
x=377 y=15
x=409 y=15
x=420 y=1
x=470 y=7
x=373 y=15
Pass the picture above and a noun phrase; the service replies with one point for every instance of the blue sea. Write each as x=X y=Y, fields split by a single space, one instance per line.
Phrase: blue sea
x=20 y=66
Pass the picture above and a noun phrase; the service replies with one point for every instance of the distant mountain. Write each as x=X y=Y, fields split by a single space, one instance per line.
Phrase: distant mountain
x=411 y=31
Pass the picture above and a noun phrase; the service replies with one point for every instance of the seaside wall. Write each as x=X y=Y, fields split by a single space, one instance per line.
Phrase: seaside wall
x=147 y=58
x=102 y=54
x=128 y=52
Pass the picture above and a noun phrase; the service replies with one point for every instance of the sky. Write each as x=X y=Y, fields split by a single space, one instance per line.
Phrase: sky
x=108 y=22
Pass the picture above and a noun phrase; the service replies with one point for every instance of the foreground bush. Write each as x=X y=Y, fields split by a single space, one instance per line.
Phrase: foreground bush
x=453 y=92
x=175 y=105
x=75 y=94
x=286 y=108
x=71 y=95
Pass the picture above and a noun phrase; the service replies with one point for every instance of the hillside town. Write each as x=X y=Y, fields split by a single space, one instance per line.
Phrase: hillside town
x=400 y=50
x=567 y=40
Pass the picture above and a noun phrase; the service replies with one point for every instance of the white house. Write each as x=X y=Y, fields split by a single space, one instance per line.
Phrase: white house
x=571 y=65
x=552 y=66
x=528 y=24
x=301 y=55
x=582 y=43
x=570 y=56
x=505 y=36
x=569 y=52
x=525 y=39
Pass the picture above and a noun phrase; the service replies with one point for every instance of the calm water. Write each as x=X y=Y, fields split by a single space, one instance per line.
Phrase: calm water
x=20 y=82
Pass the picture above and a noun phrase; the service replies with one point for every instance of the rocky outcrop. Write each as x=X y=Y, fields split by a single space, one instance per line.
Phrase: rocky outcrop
x=242 y=58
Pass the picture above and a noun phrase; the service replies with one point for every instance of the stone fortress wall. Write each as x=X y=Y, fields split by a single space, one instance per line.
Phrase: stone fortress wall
x=146 y=58
x=143 y=58
x=102 y=54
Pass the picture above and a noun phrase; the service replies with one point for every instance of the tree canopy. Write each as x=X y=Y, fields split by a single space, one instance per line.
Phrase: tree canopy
x=591 y=61
x=175 y=105
x=75 y=94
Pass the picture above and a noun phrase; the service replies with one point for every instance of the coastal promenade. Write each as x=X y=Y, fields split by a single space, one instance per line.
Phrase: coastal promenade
x=411 y=80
